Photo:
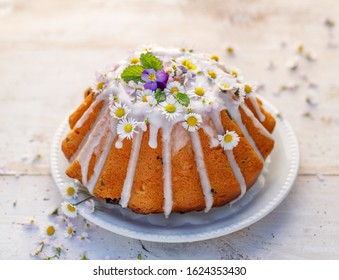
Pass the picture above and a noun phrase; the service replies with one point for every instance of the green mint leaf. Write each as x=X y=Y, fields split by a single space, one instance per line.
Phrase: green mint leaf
x=160 y=96
x=148 y=60
x=182 y=98
x=132 y=73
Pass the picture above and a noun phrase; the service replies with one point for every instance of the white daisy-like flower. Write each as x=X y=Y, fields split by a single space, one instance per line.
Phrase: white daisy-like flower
x=151 y=101
x=143 y=94
x=70 y=230
x=70 y=191
x=229 y=140
x=247 y=88
x=50 y=231
x=171 y=108
x=227 y=83
x=198 y=89
x=83 y=237
x=188 y=62
x=89 y=206
x=118 y=110
x=235 y=73
x=100 y=82
x=126 y=128
x=212 y=72
x=174 y=87
x=209 y=103
x=70 y=210
x=192 y=122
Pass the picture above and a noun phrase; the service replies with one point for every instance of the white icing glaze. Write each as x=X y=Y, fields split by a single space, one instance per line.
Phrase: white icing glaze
x=101 y=161
x=199 y=159
x=127 y=188
x=254 y=102
x=167 y=168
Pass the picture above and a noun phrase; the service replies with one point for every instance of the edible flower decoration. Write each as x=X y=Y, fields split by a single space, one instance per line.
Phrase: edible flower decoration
x=229 y=140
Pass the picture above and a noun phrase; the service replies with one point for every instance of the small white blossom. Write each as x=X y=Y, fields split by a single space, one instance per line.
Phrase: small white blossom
x=192 y=121
x=126 y=128
x=229 y=140
x=174 y=87
x=170 y=108
x=119 y=111
x=70 y=210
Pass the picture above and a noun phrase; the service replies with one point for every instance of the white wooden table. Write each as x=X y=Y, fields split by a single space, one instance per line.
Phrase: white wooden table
x=49 y=51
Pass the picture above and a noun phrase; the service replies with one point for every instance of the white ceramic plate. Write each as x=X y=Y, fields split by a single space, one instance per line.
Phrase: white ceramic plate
x=270 y=190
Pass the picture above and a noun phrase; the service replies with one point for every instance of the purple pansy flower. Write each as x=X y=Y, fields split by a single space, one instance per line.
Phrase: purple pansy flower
x=154 y=79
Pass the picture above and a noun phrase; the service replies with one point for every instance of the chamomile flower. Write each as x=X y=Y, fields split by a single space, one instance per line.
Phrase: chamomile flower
x=209 y=103
x=174 y=87
x=236 y=73
x=247 y=88
x=119 y=111
x=50 y=231
x=212 y=72
x=198 y=89
x=70 y=191
x=100 y=82
x=192 y=122
x=170 y=108
x=226 y=83
x=143 y=94
x=126 y=128
x=188 y=63
x=70 y=230
x=83 y=237
x=70 y=210
x=229 y=140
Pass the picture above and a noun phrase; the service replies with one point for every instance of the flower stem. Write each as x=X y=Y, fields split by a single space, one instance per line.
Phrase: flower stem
x=87 y=198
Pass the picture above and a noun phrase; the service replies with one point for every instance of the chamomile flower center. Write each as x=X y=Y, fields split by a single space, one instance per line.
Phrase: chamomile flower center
x=50 y=230
x=247 y=89
x=120 y=112
x=144 y=98
x=128 y=128
x=192 y=121
x=199 y=91
x=152 y=77
x=234 y=73
x=174 y=90
x=215 y=57
x=134 y=60
x=100 y=85
x=170 y=108
x=212 y=74
x=188 y=64
x=70 y=230
x=70 y=191
x=70 y=208
x=228 y=138
x=225 y=86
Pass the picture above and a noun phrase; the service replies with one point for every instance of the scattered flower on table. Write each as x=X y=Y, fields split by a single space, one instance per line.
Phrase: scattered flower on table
x=69 y=209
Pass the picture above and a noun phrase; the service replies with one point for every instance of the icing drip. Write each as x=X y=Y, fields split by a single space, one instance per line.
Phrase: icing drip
x=127 y=188
x=214 y=142
x=86 y=114
x=254 y=102
x=100 y=163
x=233 y=110
x=167 y=168
x=255 y=121
x=89 y=148
x=199 y=159
x=215 y=115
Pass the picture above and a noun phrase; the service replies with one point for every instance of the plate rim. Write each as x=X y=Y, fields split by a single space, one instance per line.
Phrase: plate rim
x=290 y=140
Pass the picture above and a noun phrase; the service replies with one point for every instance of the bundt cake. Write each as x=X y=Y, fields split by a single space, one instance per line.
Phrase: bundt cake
x=169 y=130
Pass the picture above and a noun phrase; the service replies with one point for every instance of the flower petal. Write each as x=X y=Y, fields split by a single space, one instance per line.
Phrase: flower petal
x=162 y=76
x=151 y=85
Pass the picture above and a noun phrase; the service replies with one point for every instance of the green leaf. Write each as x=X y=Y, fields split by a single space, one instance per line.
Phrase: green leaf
x=182 y=98
x=132 y=73
x=148 y=60
x=160 y=96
